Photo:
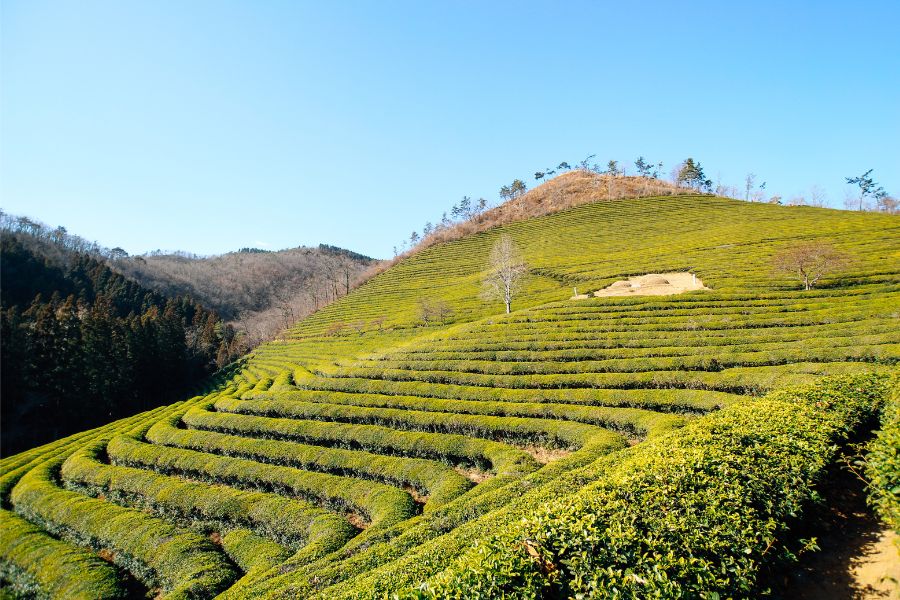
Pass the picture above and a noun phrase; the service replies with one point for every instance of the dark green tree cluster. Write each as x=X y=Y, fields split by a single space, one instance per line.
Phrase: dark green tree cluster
x=691 y=174
x=512 y=191
x=82 y=345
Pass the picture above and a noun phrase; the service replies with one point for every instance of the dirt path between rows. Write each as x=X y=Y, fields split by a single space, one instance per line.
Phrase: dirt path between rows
x=859 y=558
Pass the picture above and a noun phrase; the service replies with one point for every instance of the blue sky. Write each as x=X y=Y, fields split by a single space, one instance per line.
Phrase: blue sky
x=208 y=126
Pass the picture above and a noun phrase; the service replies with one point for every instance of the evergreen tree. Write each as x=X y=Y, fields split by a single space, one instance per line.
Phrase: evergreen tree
x=691 y=174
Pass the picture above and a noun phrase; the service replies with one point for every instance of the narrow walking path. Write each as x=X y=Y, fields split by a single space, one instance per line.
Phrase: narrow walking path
x=859 y=557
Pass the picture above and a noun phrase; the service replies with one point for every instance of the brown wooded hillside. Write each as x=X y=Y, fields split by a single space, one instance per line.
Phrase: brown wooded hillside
x=261 y=292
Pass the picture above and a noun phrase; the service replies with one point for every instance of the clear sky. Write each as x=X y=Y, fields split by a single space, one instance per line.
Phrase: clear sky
x=208 y=126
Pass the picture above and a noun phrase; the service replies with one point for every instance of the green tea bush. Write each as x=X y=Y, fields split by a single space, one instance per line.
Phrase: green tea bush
x=39 y=565
x=289 y=521
x=380 y=504
x=660 y=400
x=630 y=420
x=184 y=564
x=436 y=480
x=695 y=513
x=883 y=462
x=555 y=432
x=501 y=458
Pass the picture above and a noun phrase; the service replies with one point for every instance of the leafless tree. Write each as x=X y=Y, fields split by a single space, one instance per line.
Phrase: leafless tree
x=505 y=270
x=817 y=196
x=437 y=310
x=888 y=204
x=749 y=180
x=810 y=261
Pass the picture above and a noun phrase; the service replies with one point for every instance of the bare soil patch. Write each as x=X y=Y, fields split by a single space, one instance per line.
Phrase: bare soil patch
x=417 y=497
x=475 y=475
x=545 y=455
x=859 y=557
x=357 y=521
x=652 y=284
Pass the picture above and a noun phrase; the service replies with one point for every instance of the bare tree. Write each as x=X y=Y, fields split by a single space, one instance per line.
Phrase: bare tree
x=505 y=271
x=749 y=180
x=817 y=196
x=810 y=261
x=888 y=204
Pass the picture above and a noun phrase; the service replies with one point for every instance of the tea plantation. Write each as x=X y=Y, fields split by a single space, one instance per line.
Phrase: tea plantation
x=647 y=446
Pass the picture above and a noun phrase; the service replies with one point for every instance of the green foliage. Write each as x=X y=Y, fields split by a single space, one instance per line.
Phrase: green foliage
x=695 y=513
x=433 y=479
x=81 y=344
x=185 y=564
x=573 y=446
x=500 y=458
x=883 y=462
x=379 y=504
x=691 y=174
x=38 y=564
x=286 y=520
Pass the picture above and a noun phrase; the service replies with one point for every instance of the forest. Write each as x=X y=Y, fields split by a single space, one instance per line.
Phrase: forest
x=83 y=345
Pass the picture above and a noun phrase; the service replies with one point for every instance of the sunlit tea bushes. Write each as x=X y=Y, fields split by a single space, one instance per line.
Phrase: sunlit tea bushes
x=883 y=463
x=600 y=446
x=39 y=564
x=694 y=513
x=430 y=478
x=183 y=563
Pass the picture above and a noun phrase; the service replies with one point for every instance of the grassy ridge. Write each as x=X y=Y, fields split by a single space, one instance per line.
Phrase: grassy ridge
x=366 y=453
x=697 y=513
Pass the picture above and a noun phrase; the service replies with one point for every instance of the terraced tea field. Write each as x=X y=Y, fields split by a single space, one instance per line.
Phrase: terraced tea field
x=366 y=453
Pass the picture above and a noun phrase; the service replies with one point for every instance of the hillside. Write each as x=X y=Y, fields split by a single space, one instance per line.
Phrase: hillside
x=260 y=292
x=572 y=188
x=638 y=446
x=82 y=345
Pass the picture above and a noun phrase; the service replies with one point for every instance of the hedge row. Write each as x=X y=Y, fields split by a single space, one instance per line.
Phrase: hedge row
x=660 y=400
x=536 y=320
x=12 y=468
x=697 y=513
x=692 y=304
x=747 y=380
x=291 y=522
x=38 y=565
x=253 y=552
x=550 y=432
x=883 y=462
x=380 y=504
x=539 y=321
x=500 y=329
x=444 y=532
x=436 y=480
x=631 y=420
x=679 y=304
x=185 y=564
x=689 y=337
x=632 y=352
x=502 y=459
x=885 y=353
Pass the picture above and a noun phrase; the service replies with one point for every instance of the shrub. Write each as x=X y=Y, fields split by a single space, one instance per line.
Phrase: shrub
x=883 y=462
x=691 y=514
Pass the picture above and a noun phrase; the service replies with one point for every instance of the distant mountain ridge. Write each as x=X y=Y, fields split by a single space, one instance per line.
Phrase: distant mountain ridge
x=261 y=292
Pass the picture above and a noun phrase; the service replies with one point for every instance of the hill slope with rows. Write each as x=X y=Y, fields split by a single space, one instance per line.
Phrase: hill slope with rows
x=637 y=446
